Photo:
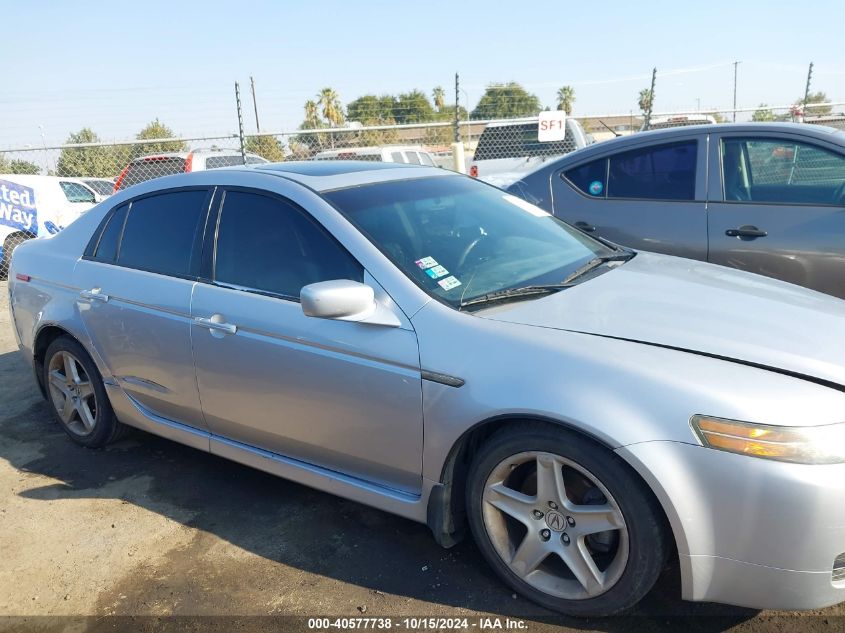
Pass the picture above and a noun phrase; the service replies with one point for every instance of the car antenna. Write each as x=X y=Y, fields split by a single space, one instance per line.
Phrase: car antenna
x=610 y=129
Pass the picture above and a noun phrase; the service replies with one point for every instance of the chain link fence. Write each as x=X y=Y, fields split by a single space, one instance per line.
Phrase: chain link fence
x=86 y=173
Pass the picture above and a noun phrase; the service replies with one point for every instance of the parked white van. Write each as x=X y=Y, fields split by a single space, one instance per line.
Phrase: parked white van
x=37 y=206
x=408 y=154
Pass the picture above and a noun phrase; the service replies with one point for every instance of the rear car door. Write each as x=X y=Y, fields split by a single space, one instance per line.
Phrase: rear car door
x=778 y=208
x=340 y=395
x=136 y=279
x=650 y=197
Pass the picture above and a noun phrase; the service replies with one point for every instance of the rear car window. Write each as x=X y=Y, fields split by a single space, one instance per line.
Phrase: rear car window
x=144 y=169
x=106 y=250
x=161 y=232
x=661 y=172
x=517 y=141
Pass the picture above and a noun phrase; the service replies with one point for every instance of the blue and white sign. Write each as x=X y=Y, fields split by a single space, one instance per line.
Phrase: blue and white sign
x=17 y=207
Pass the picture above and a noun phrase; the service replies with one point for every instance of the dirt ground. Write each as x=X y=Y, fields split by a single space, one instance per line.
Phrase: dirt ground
x=148 y=528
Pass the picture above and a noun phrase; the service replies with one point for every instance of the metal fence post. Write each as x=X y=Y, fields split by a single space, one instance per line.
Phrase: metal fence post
x=240 y=121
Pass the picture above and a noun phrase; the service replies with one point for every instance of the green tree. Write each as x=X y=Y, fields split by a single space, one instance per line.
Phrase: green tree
x=816 y=97
x=645 y=100
x=266 y=146
x=17 y=166
x=763 y=113
x=5 y=167
x=371 y=110
x=502 y=101
x=413 y=107
x=98 y=161
x=154 y=130
x=565 y=99
x=439 y=97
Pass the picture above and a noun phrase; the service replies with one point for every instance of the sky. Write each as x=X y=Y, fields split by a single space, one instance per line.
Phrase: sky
x=115 y=66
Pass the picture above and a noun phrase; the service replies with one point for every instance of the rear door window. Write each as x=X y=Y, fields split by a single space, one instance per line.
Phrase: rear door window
x=163 y=232
x=286 y=249
x=662 y=172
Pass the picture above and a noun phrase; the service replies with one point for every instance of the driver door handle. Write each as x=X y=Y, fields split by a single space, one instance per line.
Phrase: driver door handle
x=216 y=323
x=747 y=231
x=584 y=226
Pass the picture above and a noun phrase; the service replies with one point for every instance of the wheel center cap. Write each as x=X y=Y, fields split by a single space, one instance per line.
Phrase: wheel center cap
x=555 y=521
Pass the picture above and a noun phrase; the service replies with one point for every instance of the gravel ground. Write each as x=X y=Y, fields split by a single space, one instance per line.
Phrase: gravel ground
x=148 y=528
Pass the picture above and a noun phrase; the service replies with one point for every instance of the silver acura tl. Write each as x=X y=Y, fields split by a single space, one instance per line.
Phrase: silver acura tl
x=427 y=344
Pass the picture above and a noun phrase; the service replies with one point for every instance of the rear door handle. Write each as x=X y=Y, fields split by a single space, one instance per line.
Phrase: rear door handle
x=747 y=231
x=584 y=226
x=216 y=323
x=95 y=293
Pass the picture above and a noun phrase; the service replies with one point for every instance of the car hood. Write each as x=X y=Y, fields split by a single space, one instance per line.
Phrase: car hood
x=700 y=308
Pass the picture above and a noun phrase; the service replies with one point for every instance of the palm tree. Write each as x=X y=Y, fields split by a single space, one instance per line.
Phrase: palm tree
x=565 y=99
x=312 y=115
x=439 y=96
x=330 y=104
x=645 y=100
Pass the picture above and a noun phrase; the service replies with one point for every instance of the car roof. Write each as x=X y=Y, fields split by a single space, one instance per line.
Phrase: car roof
x=651 y=137
x=339 y=174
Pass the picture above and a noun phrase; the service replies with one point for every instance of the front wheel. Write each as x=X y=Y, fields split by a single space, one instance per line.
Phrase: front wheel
x=564 y=522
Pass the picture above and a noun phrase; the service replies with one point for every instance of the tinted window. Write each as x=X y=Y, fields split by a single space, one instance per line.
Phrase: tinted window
x=161 y=232
x=148 y=168
x=590 y=179
x=664 y=172
x=775 y=170
x=74 y=192
x=266 y=244
x=107 y=246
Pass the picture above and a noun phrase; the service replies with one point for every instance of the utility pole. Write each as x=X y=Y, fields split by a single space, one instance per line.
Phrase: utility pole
x=457 y=104
x=254 y=103
x=240 y=122
x=736 y=64
x=807 y=89
x=650 y=98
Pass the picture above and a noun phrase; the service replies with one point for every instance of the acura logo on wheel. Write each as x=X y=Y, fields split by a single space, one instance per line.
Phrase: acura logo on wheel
x=555 y=521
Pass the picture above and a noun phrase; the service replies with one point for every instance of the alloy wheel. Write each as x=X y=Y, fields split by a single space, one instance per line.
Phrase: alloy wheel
x=72 y=393
x=555 y=525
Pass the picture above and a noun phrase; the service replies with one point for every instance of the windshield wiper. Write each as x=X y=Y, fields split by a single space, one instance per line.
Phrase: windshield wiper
x=514 y=293
x=595 y=263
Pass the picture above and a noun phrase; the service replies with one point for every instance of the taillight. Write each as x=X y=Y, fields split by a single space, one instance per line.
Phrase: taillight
x=189 y=162
x=473 y=171
x=22 y=277
x=120 y=178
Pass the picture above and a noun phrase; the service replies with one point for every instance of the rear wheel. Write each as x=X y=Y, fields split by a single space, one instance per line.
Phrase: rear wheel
x=564 y=522
x=78 y=396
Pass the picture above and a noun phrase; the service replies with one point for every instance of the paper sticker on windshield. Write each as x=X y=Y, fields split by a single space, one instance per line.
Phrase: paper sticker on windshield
x=596 y=187
x=426 y=262
x=526 y=206
x=436 y=272
x=449 y=283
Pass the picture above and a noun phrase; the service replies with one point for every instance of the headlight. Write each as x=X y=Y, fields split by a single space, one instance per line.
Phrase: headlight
x=797 y=444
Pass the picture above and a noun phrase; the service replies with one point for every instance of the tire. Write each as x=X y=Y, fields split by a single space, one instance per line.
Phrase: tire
x=77 y=396
x=539 y=541
x=9 y=245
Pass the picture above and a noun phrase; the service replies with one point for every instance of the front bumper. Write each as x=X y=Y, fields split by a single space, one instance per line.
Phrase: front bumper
x=750 y=532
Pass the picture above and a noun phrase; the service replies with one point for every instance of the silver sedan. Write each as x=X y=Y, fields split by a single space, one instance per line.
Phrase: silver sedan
x=427 y=344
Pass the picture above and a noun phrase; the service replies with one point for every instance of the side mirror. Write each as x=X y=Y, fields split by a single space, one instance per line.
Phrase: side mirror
x=345 y=300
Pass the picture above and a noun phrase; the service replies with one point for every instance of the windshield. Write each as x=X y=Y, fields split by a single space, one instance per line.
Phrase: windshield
x=459 y=239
